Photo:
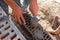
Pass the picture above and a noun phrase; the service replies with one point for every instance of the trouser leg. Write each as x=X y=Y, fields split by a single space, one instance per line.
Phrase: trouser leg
x=4 y=5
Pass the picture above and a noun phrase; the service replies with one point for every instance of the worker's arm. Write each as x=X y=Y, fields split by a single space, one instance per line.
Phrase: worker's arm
x=17 y=11
x=34 y=7
x=57 y=31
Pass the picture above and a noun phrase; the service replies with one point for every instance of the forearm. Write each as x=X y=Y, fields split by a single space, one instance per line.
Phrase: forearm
x=34 y=7
x=11 y=3
x=57 y=31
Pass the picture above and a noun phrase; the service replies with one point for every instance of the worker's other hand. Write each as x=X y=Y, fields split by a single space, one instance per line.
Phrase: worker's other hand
x=34 y=7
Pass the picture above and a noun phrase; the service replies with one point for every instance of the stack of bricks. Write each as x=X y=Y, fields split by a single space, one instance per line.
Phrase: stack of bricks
x=8 y=31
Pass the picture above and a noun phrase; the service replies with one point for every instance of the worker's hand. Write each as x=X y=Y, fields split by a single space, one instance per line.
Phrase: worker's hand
x=18 y=15
x=17 y=11
x=34 y=7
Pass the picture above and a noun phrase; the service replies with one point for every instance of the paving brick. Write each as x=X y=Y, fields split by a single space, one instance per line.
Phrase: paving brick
x=8 y=31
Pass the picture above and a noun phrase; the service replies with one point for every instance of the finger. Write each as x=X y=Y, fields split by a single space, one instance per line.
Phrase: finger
x=16 y=18
x=13 y=14
x=23 y=20
x=19 y=20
